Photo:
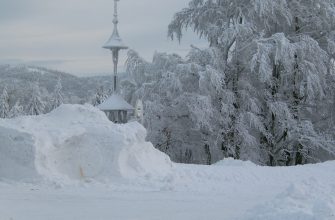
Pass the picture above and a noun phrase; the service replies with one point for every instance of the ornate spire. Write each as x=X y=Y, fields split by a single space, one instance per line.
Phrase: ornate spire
x=115 y=44
x=116 y=107
x=115 y=21
x=115 y=41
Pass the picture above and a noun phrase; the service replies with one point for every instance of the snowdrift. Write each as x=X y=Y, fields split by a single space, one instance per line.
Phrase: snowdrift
x=76 y=142
x=307 y=200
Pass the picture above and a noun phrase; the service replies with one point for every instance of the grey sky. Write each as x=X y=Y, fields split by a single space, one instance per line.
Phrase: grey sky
x=68 y=34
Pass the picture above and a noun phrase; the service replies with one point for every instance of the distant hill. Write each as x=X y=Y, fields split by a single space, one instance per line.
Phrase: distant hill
x=19 y=79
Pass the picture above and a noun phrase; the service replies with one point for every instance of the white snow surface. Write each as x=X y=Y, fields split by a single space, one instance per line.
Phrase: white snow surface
x=76 y=142
x=75 y=164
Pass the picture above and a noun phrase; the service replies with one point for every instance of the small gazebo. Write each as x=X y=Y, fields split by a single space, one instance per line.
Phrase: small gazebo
x=115 y=107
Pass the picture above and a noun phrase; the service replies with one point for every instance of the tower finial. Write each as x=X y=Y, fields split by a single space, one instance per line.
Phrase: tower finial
x=115 y=41
x=115 y=21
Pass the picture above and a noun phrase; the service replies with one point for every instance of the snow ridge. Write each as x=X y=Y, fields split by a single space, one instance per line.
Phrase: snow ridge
x=76 y=142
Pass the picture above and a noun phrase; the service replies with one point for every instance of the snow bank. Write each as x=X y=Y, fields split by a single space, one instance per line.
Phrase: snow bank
x=76 y=142
x=234 y=163
x=309 y=200
x=16 y=155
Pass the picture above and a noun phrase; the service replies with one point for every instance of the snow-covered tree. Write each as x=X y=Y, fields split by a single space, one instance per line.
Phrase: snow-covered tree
x=262 y=91
x=229 y=28
x=294 y=66
x=36 y=106
x=282 y=48
x=16 y=110
x=100 y=96
x=57 y=96
x=173 y=102
x=4 y=104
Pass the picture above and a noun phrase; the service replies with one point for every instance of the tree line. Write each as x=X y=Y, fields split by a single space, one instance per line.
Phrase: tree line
x=35 y=105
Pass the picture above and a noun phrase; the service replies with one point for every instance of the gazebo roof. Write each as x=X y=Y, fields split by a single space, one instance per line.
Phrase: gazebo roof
x=114 y=103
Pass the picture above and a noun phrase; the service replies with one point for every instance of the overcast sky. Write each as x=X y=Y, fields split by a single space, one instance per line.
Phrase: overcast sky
x=68 y=34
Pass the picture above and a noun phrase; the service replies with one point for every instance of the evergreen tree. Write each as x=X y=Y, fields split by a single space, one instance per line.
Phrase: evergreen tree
x=16 y=110
x=4 y=104
x=57 y=96
x=36 y=106
x=100 y=96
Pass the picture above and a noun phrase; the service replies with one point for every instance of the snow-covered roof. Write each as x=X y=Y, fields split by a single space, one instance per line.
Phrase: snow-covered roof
x=115 y=41
x=115 y=102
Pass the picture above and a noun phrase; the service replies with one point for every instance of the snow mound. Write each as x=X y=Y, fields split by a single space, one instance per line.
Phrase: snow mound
x=231 y=162
x=309 y=200
x=76 y=142
x=16 y=155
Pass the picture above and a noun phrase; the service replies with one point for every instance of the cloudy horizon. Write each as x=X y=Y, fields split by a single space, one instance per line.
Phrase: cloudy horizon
x=68 y=35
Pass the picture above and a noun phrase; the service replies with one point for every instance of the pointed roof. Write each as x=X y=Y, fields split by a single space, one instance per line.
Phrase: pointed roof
x=115 y=102
x=115 y=41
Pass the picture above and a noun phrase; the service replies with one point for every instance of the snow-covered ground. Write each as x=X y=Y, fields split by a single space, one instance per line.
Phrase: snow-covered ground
x=75 y=164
